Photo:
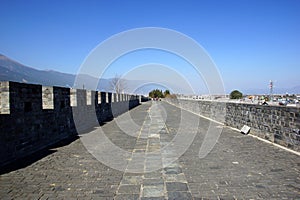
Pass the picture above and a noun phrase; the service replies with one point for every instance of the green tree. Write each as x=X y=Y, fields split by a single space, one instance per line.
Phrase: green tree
x=156 y=94
x=235 y=94
x=166 y=93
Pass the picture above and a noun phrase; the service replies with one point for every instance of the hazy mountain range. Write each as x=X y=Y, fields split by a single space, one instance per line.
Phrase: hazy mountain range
x=11 y=70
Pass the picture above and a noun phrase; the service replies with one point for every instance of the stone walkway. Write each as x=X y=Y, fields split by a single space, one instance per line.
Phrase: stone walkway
x=238 y=167
x=157 y=179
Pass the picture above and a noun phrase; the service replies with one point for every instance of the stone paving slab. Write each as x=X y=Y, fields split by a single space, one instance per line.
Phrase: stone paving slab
x=238 y=167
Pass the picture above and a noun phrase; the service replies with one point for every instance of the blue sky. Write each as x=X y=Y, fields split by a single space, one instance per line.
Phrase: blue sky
x=250 y=41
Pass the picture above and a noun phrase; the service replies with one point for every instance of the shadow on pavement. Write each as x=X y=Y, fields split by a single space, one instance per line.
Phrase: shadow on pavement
x=30 y=159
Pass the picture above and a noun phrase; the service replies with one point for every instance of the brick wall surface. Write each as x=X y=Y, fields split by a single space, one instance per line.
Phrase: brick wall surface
x=279 y=124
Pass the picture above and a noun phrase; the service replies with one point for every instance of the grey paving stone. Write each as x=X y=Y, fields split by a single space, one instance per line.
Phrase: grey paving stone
x=176 y=186
x=132 y=180
x=127 y=197
x=173 y=170
x=153 y=191
x=153 y=174
x=153 y=181
x=129 y=189
x=153 y=198
x=175 y=178
x=179 y=195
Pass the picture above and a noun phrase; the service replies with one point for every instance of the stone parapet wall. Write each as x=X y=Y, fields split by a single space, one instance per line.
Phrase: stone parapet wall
x=278 y=124
x=33 y=117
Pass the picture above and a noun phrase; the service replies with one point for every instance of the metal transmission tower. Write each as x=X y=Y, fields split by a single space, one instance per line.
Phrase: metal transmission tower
x=271 y=90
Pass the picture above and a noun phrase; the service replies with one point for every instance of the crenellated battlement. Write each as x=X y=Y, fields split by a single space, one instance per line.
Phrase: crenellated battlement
x=33 y=117
x=4 y=98
x=21 y=97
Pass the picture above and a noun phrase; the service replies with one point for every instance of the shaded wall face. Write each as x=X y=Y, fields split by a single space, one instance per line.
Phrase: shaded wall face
x=278 y=124
x=33 y=117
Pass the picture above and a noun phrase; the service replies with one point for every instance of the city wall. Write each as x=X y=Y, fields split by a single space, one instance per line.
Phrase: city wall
x=278 y=124
x=33 y=117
